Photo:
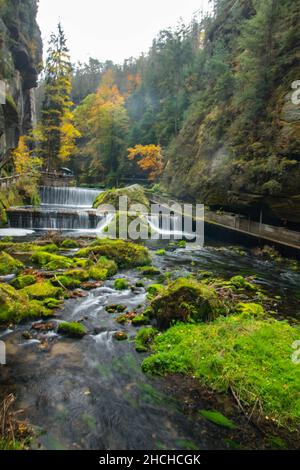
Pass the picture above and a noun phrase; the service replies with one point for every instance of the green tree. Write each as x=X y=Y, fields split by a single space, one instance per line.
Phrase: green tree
x=57 y=133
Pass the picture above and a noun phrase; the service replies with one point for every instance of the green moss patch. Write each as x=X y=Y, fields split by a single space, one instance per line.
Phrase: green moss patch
x=135 y=195
x=23 y=281
x=50 y=261
x=252 y=357
x=185 y=300
x=125 y=254
x=43 y=290
x=73 y=330
x=69 y=244
x=69 y=282
x=121 y=284
x=9 y=265
x=16 y=306
x=150 y=271
x=144 y=339
x=217 y=418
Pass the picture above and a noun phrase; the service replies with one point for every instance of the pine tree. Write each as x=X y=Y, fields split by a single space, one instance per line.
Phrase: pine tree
x=57 y=132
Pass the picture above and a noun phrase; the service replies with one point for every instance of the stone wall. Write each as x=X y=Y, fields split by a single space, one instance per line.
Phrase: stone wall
x=20 y=64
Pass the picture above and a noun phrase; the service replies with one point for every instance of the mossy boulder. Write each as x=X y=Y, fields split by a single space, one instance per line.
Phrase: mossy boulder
x=185 y=300
x=140 y=320
x=16 y=306
x=52 y=304
x=72 y=330
x=78 y=274
x=69 y=244
x=144 y=338
x=121 y=284
x=150 y=271
x=135 y=195
x=23 y=281
x=239 y=282
x=50 y=261
x=43 y=290
x=125 y=254
x=69 y=282
x=154 y=290
x=9 y=265
x=50 y=248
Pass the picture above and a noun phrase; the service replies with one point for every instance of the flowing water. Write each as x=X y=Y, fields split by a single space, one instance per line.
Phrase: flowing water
x=91 y=393
x=60 y=209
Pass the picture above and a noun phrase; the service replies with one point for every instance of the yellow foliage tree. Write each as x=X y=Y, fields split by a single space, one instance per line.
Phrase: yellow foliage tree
x=68 y=136
x=24 y=163
x=149 y=158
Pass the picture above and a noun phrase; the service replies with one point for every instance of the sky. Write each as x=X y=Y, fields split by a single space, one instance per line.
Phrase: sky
x=112 y=29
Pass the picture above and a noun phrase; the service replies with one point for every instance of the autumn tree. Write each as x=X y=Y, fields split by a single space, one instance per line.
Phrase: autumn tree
x=57 y=133
x=149 y=159
x=27 y=167
x=102 y=120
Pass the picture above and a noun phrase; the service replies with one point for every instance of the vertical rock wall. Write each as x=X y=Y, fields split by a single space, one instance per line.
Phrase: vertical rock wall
x=20 y=64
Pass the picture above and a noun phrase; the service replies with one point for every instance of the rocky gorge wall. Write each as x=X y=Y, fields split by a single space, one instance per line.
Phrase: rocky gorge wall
x=224 y=158
x=20 y=64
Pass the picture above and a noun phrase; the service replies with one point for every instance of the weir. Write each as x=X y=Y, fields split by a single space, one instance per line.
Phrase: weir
x=62 y=208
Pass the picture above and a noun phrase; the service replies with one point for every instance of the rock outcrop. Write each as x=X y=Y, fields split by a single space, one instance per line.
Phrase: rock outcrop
x=20 y=64
x=235 y=152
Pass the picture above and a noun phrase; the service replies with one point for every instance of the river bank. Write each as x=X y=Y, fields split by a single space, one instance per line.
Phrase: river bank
x=97 y=384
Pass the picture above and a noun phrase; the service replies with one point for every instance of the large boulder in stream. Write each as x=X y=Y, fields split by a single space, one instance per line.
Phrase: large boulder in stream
x=135 y=195
x=185 y=300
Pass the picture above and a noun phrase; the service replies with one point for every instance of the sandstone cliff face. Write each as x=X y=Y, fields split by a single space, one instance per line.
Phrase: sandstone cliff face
x=225 y=160
x=20 y=63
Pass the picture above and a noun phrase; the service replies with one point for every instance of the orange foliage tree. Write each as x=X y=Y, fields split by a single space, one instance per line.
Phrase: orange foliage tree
x=149 y=158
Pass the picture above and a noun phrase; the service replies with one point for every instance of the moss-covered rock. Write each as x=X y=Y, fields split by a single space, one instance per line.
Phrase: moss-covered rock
x=104 y=269
x=43 y=290
x=121 y=284
x=15 y=306
x=50 y=261
x=52 y=304
x=140 y=320
x=239 y=282
x=185 y=300
x=154 y=290
x=72 y=330
x=144 y=338
x=69 y=282
x=125 y=254
x=23 y=281
x=150 y=271
x=135 y=195
x=69 y=244
x=50 y=248
x=78 y=274
x=9 y=265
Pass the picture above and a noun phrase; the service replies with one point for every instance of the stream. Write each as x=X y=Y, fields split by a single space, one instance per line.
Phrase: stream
x=91 y=393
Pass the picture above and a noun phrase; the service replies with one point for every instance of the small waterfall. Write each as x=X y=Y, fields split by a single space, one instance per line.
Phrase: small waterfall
x=166 y=226
x=61 y=209
x=52 y=219
x=75 y=197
